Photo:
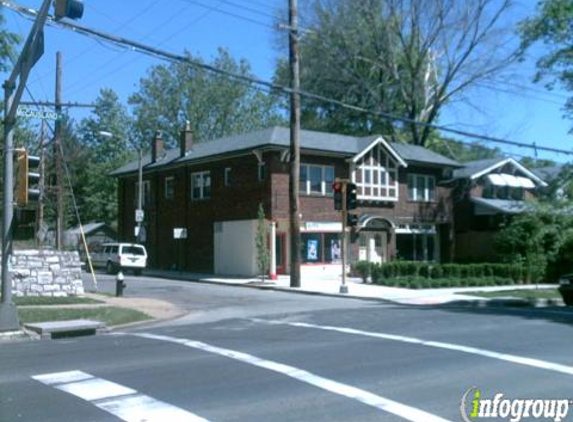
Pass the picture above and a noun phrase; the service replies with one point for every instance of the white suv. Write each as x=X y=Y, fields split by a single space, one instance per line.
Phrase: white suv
x=120 y=256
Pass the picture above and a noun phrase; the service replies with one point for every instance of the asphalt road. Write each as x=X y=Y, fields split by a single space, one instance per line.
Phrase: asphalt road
x=275 y=356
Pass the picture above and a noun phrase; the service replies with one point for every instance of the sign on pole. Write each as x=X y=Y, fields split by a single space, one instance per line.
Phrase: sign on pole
x=139 y=215
x=37 y=114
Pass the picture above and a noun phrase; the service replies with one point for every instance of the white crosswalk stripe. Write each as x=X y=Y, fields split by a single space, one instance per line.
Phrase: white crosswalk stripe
x=407 y=412
x=521 y=360
x=123 y=402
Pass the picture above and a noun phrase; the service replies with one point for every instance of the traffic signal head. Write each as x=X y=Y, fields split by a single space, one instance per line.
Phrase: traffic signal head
x=28 y=178
x=337 y=189
x=73 y=9
x=351 y=220
x=351 y=202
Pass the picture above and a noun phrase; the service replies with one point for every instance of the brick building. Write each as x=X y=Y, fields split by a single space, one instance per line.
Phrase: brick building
x=487 y=194
x=200 y=201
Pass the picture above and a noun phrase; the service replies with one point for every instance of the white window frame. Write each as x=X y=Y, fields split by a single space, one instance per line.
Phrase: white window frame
x=261 y=171
x=305 y=190
x=227 y=178
x=169 y=179
x=367 y=165
x=203 y=175
x=420 y=195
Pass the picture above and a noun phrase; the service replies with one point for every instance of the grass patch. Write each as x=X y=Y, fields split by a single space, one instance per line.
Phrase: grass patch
x=44 y=301
x=523 y=294
x=110 y=315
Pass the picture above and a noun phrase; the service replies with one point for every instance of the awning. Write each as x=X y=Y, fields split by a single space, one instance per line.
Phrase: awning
x=526 y=183
x=496 y=179
x=486 y=206
x=511 y=180
x=503 y=179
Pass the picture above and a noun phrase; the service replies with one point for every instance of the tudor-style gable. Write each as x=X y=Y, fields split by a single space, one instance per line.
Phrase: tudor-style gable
x=375 y=172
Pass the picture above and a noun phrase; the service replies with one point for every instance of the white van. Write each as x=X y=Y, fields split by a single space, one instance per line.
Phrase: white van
x=120 y=256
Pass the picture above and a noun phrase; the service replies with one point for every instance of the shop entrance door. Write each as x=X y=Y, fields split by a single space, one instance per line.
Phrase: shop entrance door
x=374 y=247
x=280 y=253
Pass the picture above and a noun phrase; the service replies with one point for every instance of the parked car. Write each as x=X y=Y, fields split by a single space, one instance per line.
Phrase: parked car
x=120 y=256
x=566 y=288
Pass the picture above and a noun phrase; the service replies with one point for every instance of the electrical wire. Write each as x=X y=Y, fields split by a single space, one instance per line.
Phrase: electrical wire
x=251 y=80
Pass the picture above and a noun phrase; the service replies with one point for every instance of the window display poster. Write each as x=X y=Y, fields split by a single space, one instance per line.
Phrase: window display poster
x=335 y=250
x=312 y=250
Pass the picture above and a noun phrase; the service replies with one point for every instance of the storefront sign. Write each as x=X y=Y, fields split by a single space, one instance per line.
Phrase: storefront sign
x=322 y=226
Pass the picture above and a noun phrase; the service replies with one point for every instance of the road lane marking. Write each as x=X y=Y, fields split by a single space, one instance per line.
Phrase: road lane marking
x=536 y=363
x=407 y=412
x=123 y=402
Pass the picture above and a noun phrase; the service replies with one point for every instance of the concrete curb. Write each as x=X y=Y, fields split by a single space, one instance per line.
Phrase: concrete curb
x=478 y=302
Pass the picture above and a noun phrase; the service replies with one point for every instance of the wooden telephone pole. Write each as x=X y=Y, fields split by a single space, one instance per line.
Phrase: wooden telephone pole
x=294 y=216
x=58 y=156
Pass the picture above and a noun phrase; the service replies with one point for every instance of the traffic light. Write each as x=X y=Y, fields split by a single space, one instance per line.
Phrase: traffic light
x=351 y=220
x=27 y=184
x=73 y=9
x=351 y=196
x=337 y=189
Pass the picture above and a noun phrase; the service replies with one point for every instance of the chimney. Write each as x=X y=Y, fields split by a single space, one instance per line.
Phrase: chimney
x=157 y=147
x=185 y=140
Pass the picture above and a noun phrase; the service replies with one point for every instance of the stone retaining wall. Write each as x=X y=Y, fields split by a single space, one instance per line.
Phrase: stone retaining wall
x=46 y=273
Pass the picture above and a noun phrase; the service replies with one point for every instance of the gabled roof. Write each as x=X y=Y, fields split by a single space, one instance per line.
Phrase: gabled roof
x=366 y=144
x=548 y=173
x=476 y=169
x=279 y=137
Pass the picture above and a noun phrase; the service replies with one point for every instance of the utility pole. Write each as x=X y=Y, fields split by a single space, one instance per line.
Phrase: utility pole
x=13 y=90
x=58 y=156
x=294 y=203
x=42 y=183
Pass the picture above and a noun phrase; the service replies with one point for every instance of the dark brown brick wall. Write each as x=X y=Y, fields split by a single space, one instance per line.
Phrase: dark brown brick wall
x=240 y=202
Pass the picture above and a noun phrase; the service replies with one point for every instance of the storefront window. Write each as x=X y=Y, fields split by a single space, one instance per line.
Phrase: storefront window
x=416 y=246
x=311 y=248
x=318 y=248
x=332 y=248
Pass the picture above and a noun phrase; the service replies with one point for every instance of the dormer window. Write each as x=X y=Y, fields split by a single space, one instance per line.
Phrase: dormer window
x=376 y=175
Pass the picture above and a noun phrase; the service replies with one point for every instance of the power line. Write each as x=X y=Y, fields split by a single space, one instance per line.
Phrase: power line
x=234 y=15
x=251 y=80
x=122 y=66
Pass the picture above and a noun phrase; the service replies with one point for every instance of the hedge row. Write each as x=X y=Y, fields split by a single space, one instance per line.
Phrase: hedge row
x=428 y=283
x=425 y=270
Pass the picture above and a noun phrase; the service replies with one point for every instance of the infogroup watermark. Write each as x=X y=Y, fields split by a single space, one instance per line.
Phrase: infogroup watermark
x=475 y=408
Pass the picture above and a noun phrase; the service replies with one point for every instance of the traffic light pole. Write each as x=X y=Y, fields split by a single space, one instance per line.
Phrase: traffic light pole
x=344 y=214
x=32 y=51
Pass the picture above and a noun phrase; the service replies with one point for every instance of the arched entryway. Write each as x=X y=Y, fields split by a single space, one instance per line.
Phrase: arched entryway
x=374 y=239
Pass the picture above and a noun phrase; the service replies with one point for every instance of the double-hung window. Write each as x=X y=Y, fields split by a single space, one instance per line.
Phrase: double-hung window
x=200 y=185
x=421 y=188
x=169 y=187
x=316 y=180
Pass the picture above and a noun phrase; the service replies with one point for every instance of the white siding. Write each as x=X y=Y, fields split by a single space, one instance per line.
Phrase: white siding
x=235 y=249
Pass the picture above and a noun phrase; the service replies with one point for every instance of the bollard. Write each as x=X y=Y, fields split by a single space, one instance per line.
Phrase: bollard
x=119 y=284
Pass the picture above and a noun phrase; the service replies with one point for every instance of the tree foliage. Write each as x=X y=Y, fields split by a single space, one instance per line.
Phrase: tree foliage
x=263 y=257
x=551 y=27
x=404 y=57
x=106 y=138
x=214 y=104
x=542 y=240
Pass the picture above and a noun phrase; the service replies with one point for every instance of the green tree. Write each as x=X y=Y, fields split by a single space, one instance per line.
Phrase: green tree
x=107 y=135
x=407 y=58
x=541 y=239
x=551 y=27
x=215 y=105
x=263 y=256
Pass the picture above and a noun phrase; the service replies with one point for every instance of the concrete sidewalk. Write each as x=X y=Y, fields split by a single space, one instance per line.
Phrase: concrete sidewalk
x=356 y=288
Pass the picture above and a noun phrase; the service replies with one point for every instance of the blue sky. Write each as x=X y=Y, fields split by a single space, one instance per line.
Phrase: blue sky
x=526 y=114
